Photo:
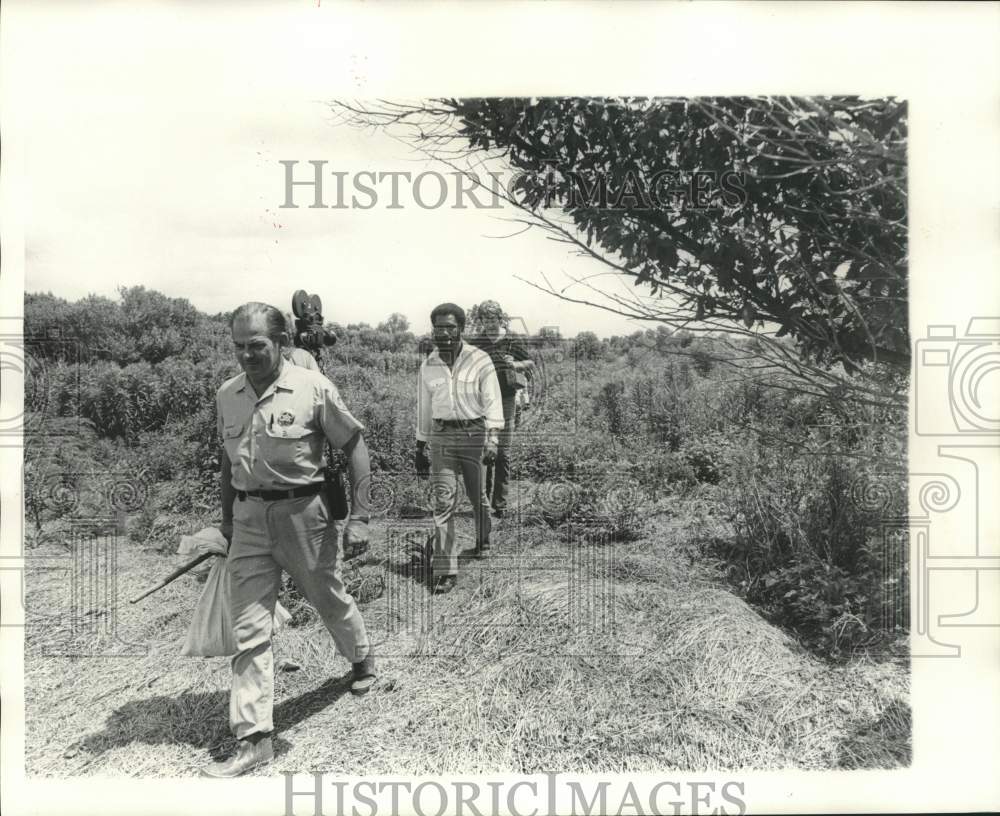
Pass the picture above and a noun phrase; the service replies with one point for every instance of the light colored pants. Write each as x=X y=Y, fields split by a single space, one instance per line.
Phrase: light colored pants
x=454 y=452
x=295 y=535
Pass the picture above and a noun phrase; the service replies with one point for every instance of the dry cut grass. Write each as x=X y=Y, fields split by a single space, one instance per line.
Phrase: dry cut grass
x=623 y=658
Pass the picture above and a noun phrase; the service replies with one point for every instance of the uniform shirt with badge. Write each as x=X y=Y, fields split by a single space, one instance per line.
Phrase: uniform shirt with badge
x=276 y=440
x=468 y=390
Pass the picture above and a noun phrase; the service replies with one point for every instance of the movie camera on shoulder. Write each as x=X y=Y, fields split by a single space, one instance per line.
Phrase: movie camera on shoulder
x=310 y=332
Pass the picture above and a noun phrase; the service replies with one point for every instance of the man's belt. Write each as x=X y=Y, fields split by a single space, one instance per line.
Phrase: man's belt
x=278 y=495
x=459 y=423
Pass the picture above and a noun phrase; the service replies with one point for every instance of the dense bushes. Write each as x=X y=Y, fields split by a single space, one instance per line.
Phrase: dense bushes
x=123 y=402
x=808 y=544
x=144 y=325
x=785 y=472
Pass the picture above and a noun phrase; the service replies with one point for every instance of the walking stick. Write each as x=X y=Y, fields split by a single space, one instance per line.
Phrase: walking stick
x=177 y=573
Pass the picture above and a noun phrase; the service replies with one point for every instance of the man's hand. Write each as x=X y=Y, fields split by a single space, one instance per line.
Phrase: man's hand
x=421 y=461
x=490 y=451
x=226 y=528
x=355 y=537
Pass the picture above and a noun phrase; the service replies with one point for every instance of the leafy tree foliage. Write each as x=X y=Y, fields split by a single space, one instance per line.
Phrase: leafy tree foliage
x=588 y=346
x=144 y=326
x=813 y=248
x=396 y=323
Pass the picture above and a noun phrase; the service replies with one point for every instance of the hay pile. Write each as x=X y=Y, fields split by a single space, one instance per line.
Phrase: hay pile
x=503 y=674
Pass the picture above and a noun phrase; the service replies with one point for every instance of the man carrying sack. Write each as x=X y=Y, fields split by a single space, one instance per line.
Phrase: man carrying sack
x=273 y=420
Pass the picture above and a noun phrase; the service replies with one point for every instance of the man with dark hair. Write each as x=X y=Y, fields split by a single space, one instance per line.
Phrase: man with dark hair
x=512 y=364
x=274 y=419
x=459 y=413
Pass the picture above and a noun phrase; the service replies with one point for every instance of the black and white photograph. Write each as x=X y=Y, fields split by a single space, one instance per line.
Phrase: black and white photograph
x=385 y=431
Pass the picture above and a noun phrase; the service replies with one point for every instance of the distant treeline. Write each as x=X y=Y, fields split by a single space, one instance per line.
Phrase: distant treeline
x=144 y=325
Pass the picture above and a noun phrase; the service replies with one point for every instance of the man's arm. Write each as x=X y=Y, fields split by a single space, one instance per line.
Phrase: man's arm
x=421 y=462
x=359 y=471
x=522 y=360
x=226 y=489
x=492 y=402
x=490 y=398
x=424 y=417
x=344 y=432
x=228 y=496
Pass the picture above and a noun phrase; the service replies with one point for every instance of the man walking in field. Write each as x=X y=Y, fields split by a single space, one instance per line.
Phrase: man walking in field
x=459 y=412
x=512 y=364
x=273 y=420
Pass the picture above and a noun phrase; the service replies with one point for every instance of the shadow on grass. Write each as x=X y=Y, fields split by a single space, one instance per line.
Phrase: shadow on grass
x=199 y=719
x=417 y=568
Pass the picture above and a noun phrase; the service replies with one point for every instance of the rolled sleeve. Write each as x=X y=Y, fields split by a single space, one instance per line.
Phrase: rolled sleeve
x=338 y=423
x=489 y=390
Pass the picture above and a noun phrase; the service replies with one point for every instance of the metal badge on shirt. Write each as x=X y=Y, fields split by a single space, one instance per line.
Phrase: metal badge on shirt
x=285 y=419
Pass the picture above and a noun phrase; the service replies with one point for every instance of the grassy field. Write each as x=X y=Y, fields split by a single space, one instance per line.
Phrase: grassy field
x=556 y=653
x=695 y=576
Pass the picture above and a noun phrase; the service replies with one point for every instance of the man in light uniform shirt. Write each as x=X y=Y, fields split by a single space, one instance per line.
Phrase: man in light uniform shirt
x=459 y=411
x=274 y=419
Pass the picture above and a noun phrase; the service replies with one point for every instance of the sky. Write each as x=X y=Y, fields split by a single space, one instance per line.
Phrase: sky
x=155 y=161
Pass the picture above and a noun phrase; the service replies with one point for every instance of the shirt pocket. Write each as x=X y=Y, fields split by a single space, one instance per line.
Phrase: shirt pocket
x=467 y=382
x=440 y=390
x=289 y=447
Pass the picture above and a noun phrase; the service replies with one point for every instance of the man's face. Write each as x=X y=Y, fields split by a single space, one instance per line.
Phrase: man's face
x=258 y=355
x=447 y=332
x=491 y=324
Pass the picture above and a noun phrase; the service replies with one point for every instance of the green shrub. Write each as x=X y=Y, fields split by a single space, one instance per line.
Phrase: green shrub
x=808 y=541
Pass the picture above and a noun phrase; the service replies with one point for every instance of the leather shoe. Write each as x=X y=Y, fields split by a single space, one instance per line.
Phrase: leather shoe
x=445 y=584
x=363 y=675
x=248 y=756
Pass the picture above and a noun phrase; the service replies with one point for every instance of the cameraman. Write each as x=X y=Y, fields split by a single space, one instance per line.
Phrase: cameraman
x=513 y=365
x=294 y=354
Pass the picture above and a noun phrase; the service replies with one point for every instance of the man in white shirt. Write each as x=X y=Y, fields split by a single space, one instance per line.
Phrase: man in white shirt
x=460 y=412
